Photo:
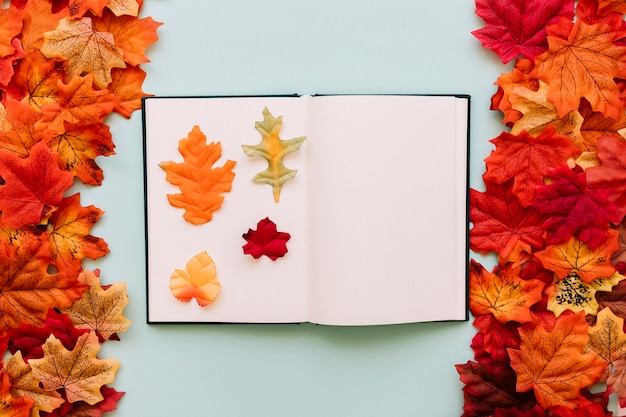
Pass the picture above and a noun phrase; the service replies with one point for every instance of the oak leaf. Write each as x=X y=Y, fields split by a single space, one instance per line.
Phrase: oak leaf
x=198 y=280
x=576 y=256
x=12 y=406
x=519 y=27
x=266 y=240
x=527 y=159
x=273 y=149
x=611 y=175
x=552 y=364
x=573 y=294
x=33 y=187
x=85 y=49
x=69 y=237
x=24 y=384
x=592 y=60
x=78 y=371
x=201 y=184
x=607 y=338
x=100 y=309
x=502 y=293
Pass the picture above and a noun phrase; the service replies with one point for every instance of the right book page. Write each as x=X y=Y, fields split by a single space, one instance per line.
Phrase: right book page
x=386 y=209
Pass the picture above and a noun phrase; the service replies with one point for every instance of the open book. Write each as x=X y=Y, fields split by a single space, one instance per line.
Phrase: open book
x=376 y=213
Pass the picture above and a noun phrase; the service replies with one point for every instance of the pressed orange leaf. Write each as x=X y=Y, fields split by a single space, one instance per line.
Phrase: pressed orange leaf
x=201 y=184
x=198 y=280
x=78 y=371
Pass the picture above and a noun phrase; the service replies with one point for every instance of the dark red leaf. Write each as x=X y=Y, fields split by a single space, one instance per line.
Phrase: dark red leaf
x=266 y=240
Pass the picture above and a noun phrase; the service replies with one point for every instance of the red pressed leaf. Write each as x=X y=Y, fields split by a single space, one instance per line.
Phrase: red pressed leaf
x=500 y=222
x=33 y=187
x=265 y=240
x=527 y=159
x=518 y=27
x=611 y=175
x=573 y=209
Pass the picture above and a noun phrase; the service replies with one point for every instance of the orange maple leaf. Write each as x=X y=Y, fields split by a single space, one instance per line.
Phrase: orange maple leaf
x=38 y=19
x=552 y=363
x=16 y=126
x=584 y=65
x=575 y=256
x=198 y=280
x=507 y=82
x=69 y=236
x=503 y=293
x=12 y=406
x=124 y=7
x=78 y=371
x=10 y=26
x=36 y=80
x=77 y=8
x=127 y=84
x=607 y=338
x=594 y=126
x=200 y=184
x=100 y=310
x=85 y=49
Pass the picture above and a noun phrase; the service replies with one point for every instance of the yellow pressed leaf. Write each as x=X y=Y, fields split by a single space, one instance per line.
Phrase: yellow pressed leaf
x=198 y=280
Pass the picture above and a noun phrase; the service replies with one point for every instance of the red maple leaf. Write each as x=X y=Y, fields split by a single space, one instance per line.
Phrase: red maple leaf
x=527 y=159
x=33 y=186
x=573 y=209
x=518 y=27
x=611 y=175
x=500 y=222
x=266 y=240
x=494 y=337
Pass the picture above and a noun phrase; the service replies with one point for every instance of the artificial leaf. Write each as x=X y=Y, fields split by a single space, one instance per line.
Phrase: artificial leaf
x=576 y=256
x=611 y=175
x=85 y=49
x=539 y=113
x=266 y=240
x=573 y=294
x=519 y=27
x=7 y=63
x=607 y=338
x=100 y=310
x=78 y=103
x=593 y=407
x=592 y=60
x=78 y=145
x=502 y=293
x=606 y=7
x=12 y=406
x=24 y=384
x=200 y=183
x=123 y=7
x=500 y=223
x=616 y=382
x=618 y=259
x=78 y=8
x=39 y=17
x=10 y=27
x=594 y=126
x=82 y=409
x=78 y=371
x=198 y=280
x=573 y=209
x=132 y=35
x=526 y=160
x=273 y=149
x=69 y=236
x=494 y=338
x=615 y=299
x=16 y=127
x=552 y=364
x=27 y=289
x=36 y=80
x=33 y=187
x=507 y=83
x=126 y=84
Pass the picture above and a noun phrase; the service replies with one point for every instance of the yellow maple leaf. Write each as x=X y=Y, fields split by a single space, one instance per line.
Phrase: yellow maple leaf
x=607 y=338
x=79 y=372
x=100 y=310
x=123 y=7
x=572 y=293
x=84 y=49
x=273 y=149
x=198 y=280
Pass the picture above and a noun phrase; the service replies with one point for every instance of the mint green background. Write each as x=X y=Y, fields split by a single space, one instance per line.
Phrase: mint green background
x=209 y=47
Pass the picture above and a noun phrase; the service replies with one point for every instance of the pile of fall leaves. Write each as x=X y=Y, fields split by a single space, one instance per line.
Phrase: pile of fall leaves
x=550 y=315
x=65 y=65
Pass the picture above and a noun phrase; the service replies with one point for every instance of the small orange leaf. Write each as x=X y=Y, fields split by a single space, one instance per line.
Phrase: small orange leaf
x=198 y=280
x=200 y=184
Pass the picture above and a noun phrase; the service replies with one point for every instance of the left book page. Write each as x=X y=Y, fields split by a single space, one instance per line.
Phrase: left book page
x=252 y=290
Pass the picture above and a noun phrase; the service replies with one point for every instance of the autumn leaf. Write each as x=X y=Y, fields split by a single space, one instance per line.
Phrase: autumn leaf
x=576 y=256
x=10 y=27
x=552 y=364
x=85 y=49
x=592 y=60
x=595 y=126
x=616 y=382
x=606 y=7
x=494 y=338
x=615 y=299
x=526 y=160
x=16 y=127
x=12 y=406
x=607 y=338
x=33 y=187
x=509 y=82
x=500 y=223
x=273 y=149
x=82 y=409
x=201 y=184
x=35 y=81
x=502 y=293
x=100 y=310
x=198 y=280
x=25 y=384
x=78 y=8
x=7 y=63
x=126 y=84
x=69 y=236
x=123 y=7
x=78 y=371
x=266 y=240
x=519 y=27
x=573 y=294
x=611 y=175
x=39 y=17
x=78 y=145
x=573 y=209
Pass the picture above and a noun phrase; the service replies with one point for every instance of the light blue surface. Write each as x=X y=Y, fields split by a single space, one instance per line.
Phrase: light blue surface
x=272 y=47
